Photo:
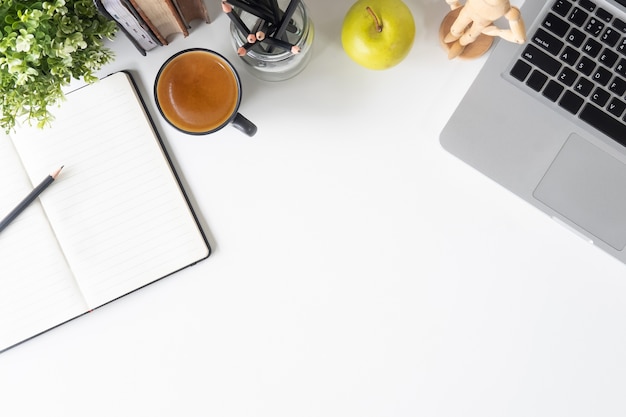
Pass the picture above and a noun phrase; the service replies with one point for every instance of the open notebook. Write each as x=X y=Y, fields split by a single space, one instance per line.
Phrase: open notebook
x=115 y=219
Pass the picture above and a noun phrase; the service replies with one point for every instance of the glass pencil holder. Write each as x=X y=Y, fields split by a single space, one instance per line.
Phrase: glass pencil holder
x=272 y=56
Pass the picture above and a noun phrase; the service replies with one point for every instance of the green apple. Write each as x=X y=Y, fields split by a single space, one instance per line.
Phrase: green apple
x=378 y=34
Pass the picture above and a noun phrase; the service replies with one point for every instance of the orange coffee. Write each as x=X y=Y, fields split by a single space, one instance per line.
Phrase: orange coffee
x=197 y=91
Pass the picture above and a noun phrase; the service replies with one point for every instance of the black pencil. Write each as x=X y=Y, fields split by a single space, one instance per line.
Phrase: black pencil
x=228 y=9
x=275 y=10
x=291 y=8
x=243 y=49
x=262 y=32
x=282 y=44
x=254 y=10
x=29 y=199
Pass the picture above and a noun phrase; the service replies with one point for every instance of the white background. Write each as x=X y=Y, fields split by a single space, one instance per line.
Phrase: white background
x=358 y=269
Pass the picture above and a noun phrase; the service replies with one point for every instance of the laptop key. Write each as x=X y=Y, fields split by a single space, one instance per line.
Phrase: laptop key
x=604 y=15
x=562 y=7
x=585 y=65
x=576 y=37
x=568 y=76
x=571 y=102
x=578 y=16
x=520 y=70
x=583 y=86
x=570 y=55
x=594 y=26
x=620 y=25
x=600 y=97
x=592 y=47
x=608 y=57
x=537 y=80
x=618 y=86
x=610 y=36
x=547 y=41
x=556 y=25
x=622 y=46
x=606 y=124
x=541 y=60
x=620 y=68
x=602 y=76
x=553 y=90
x=616 y=107
x=587 y=5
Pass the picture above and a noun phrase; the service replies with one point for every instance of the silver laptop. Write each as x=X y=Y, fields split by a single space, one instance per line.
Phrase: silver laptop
x=547 y=119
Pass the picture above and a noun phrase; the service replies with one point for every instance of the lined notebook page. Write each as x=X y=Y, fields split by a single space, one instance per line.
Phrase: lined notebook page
x=37 y=289
x=117 y=210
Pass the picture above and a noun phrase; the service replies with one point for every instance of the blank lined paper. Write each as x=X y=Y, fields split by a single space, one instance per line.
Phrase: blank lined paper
x=118 y=214
x=37 y=288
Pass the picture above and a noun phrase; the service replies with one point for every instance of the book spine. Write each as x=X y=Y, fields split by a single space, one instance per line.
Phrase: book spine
x=162 y=16
x=131 y=24
x=128 y=6
x=103 y=11
x=177 y=17
x=162 y=39
x=191 y=10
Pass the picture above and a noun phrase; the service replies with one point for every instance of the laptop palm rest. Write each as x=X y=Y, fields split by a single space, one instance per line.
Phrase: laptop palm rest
x=587 y=186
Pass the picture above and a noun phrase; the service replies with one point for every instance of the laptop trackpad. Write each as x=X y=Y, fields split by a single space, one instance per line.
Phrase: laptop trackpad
x=588 y=186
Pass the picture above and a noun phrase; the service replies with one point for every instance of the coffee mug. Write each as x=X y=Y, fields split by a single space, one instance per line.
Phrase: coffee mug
x=198 y=92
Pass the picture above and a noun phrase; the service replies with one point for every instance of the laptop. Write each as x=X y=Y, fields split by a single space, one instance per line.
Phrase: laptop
x=547 y=119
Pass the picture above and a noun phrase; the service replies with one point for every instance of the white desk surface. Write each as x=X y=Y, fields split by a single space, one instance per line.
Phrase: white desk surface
x=358 y=269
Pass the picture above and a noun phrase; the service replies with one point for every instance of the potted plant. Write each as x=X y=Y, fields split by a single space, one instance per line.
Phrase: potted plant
x=43 y=46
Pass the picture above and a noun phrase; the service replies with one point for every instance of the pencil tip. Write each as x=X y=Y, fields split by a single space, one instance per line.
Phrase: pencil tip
x=55 y=174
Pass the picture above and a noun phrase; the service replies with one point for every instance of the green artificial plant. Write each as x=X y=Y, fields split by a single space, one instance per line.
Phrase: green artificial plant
x=43 y=46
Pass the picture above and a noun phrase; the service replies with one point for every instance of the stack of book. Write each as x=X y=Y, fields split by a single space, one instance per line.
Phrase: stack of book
x=152 y=23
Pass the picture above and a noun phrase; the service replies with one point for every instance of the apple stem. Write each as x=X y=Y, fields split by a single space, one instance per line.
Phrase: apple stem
x=379 y=26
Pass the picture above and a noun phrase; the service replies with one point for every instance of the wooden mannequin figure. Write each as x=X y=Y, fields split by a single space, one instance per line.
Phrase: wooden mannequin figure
x=468 y=30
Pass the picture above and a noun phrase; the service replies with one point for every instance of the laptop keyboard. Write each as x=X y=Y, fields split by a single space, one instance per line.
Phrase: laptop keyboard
x=576 y=58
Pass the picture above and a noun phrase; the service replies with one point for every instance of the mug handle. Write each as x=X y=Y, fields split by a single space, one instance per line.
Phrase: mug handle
x=244 y=125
